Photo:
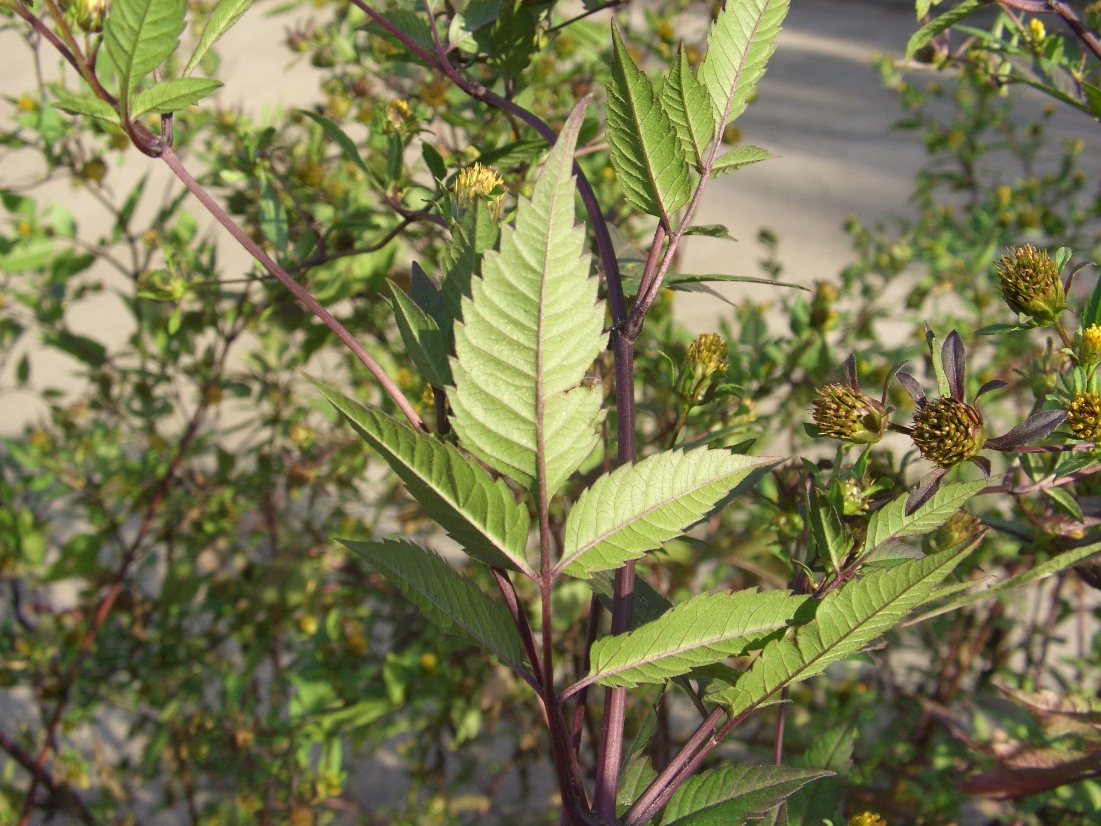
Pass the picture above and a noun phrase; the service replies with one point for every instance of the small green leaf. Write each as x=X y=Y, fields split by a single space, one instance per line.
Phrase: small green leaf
x=711 y=231
x=139 y=36
x=86 y=105
x=434 y=161
x=829 y=539
x=273 y=217
x=737 y=158
x=423 y=340
x=448 y=599
x=926 y=33
x=221 y=19
x=645 y=149
x=23 y=370
x=1091 y=312
x=81 y=348
x=732 y=794
x=346 y=144
x=172 y=95
x=689 y=107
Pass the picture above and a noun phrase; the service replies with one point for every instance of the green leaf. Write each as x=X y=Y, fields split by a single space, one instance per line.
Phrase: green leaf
x=221 y=19
x=1091 y=312
x=448 y=599
x=139 y=36
x=172 y=95
x=434 y=161
x=86 y=105
x=423 y=341
x=689 y=107
x=82 y=348
x=346 y=144
x=891 y=522
x=738 y=47
x=737 y=158
x=831 y=750
x=637 y=508
x=700 y=631
x=478 y=511
x=645 y=149
x=926 y=33
x=711 y=231
x=648 y=603
x=730 y=795
x=828 y=538
x=473 y=235
x=846 y=621
x=1047 y=568
x=273 y=218
x=528 y=334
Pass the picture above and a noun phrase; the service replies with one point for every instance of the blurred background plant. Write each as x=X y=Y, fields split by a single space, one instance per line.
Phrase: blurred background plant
x=176 y=613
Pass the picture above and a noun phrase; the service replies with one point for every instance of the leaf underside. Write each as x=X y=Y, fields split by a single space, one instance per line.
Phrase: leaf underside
x=139 y=35
x=688 y=105
x=529 y=331
x=731 y=794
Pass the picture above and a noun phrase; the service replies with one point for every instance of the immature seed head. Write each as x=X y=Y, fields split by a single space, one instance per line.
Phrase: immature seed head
x=948 y=431
x=846 y=414
x=1031 y=286
x=704 y=367
x=1084 y=415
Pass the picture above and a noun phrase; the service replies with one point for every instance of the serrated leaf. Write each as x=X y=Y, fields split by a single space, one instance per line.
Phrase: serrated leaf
x=172 y=95
x=926 y=33
x=730 y=794
x=891 y=522
x=478 y=511
x=648 y=603
x=711 y=231
x=686 y=101
x=637 y=508
x=529 y=332
x=423 y=340
x=828 y=537
x=1091 y=312
x=450 y=600
x=633 y=780
x=429 y=299
x=846 y=621
x=221 y=19
x=738 y=157
x=139 y=36
x=645 y=149
x=831 y=750
x=739 y=45
x=474 y=234
x=86 y=105
x=699 y=631
x=273 y=217
x=1048 y=567
x=346 y=144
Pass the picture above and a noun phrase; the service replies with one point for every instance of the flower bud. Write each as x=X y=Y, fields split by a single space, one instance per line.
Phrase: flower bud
x=704 y=367
x=1031 y=286
x=1087 y=345
x=848 y=415
x=960 y=527
x=1084 y=415
x=948 y=431
x=89 y=15
x=476 y=182
x=822 y=313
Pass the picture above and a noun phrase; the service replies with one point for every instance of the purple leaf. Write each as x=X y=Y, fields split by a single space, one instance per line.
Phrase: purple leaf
x=909 y=383
x=954 y=360
x=983 y=464
x=929 y=485
x=850 y=373
x=1030 y=430
x=993 y=384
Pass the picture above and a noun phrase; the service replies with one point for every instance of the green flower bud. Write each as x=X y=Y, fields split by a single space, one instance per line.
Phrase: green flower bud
x=848 y=415
x=1084 y=415
x=89 y=15
x=1087 y=345
x=959 y=527
x=1031 y=286
x=822 y=313
x=948 y=431
x=703 y=369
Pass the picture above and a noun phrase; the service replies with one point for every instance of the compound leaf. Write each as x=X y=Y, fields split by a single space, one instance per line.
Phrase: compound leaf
x=846 y=621
x=686 y=101
x=646 y=151
x=732 y=794
x=529 y=331
x=447 y=598
x=139 y=36
x=705 y=628
x=478 y=511
x=738 y=46
x=636 y=508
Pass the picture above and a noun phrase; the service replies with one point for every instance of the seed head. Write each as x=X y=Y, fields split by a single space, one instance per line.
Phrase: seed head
x=1031 y=286
x=948 y=431
x=704 y=367
x=1084 y=415
x=848 y=415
